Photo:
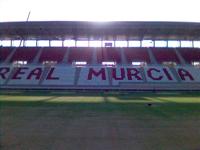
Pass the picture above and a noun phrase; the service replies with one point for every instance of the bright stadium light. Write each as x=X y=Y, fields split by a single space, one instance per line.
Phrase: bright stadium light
x=174 y=43
x=147 y=43
x=186 y=44
x=160 y=43
x=30 y=43
x=197 y=44
x=134 y=43
x=17 y=43
x=82 y=43
x=56 y=43
x=69 y=43
x=121 y=43
x=6 y=43
x=95 y=43
x=43 y=43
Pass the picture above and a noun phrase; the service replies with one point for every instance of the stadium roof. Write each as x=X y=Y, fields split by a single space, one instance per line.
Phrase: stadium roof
x=53 y=30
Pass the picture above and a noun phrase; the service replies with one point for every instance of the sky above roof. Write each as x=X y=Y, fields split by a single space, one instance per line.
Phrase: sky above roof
x=100 y=10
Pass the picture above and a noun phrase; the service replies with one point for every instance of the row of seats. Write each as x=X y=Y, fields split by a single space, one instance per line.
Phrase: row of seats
x=24 y=54
x=4 y=53
x=52 y=54
x=80 y=54
x=190 y=55
x=165 y=55
x=96 y=76
x=98 y=55
x=136 y=54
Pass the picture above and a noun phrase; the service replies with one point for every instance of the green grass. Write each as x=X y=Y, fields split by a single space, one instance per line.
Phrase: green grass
x=164 y=104
x=171 y=122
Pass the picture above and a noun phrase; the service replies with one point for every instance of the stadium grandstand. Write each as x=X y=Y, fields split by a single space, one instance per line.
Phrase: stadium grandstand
x=119 y=85
x=106 y=56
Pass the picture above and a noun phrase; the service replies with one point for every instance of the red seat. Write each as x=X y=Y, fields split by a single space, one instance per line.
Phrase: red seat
x=165 y=55
x=190 y=54
x=136 y=54
x=24 y=54
x=52 y=54
x=4 y=53
x=80 y=54
x=108 y=54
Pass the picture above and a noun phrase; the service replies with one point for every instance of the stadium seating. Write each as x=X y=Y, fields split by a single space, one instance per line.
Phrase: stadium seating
x=165 y=55
x=129 y=75
x=159 y=75
x=108 y=54
x=24 y=54
x=188 y=74
x=80 y=54
x=190 y=54
x=4 y=53
x=52 y=54
x=96 y=76
x=66 y=76
x=137 y=55
x=26 y=76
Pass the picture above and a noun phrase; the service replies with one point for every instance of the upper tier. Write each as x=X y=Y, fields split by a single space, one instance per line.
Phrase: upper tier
x=93 y=56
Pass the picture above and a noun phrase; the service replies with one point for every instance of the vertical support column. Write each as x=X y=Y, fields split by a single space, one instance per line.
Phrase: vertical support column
x=193 y=43
x=152 y=57
x=75 y=43
x=114 y=38
x=88 y=41
x=66 y=56
x=94 y=56
x=24 y=43
x=8 y=59
x=37 y=57
x=127 y=40
x=11 y=43
x=123 y=58
x=20 y=43
x=167 y=43
x=153 y=43
x=182 y=61
x=101 y=42
x=140 y=43
x=62 y=43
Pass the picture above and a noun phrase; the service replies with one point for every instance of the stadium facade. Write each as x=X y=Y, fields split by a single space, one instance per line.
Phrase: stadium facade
x=89 y=55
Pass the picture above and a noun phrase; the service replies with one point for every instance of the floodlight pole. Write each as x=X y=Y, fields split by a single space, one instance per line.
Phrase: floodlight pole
x=28 y=16
x=29 y=13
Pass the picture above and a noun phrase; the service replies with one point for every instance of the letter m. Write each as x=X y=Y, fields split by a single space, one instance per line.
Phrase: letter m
x=95 y=73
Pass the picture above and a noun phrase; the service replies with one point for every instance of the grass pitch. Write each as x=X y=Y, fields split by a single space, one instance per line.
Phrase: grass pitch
x=99 y=121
